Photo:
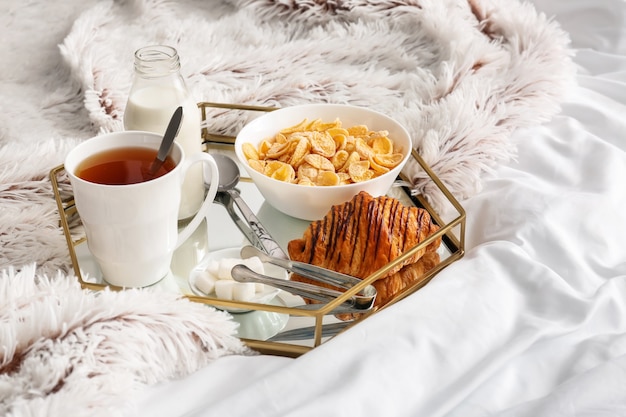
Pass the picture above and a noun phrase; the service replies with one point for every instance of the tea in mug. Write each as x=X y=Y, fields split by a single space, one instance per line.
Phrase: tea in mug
x=122 y=166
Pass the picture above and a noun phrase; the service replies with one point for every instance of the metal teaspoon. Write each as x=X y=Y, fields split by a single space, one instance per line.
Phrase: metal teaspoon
x=227 y=194
x=171 y=132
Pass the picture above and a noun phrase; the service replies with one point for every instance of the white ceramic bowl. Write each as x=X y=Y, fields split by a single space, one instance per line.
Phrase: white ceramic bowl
x=312 y=203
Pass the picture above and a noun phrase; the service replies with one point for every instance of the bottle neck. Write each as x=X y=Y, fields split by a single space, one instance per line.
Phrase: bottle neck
x=156 y=61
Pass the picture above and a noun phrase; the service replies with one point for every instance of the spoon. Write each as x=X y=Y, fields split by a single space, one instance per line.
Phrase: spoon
x=303 y=333
x=227 y=194
x=171 y=132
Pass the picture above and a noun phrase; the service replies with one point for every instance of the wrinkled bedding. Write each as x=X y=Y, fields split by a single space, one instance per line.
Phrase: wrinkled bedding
x=531 y=322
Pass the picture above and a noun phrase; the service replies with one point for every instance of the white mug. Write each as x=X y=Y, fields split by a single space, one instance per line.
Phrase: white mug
x=132 y=230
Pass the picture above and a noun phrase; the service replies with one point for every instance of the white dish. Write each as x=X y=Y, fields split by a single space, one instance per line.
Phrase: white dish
x=263 y=297
x=312 y=203
x=262 y=325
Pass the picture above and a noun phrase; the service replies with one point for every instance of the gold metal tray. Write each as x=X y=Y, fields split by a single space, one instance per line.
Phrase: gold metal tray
x=451 y=231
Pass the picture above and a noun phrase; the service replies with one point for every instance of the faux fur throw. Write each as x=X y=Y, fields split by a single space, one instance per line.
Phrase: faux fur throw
x=69 y=352
x=461 y=75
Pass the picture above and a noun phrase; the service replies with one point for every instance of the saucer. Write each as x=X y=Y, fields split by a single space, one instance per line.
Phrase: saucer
x=263 y=297
x=262 y=325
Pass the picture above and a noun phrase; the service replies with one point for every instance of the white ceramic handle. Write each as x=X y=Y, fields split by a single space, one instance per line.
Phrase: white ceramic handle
x=208 y=199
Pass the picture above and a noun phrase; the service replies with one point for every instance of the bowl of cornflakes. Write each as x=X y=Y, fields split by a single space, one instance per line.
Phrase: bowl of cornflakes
x=304 y=159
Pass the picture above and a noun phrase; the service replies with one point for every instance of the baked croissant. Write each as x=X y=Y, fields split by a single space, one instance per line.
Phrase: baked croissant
x=364 y=234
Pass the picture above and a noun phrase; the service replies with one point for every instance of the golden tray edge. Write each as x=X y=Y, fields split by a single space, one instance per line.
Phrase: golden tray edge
x=456 y=246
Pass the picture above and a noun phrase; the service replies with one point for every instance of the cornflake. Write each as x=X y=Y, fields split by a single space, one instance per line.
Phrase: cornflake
x=321 y=153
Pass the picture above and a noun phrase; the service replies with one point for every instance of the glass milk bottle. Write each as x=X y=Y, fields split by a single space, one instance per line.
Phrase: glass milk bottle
x=158 y=89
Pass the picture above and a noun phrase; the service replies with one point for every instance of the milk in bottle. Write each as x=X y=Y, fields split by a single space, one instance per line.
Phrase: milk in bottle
x=158 y=89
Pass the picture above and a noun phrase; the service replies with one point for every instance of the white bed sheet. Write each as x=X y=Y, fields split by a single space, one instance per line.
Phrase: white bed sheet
x=531 y=322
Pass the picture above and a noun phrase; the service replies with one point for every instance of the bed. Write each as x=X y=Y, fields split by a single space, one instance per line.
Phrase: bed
x=530 y=322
